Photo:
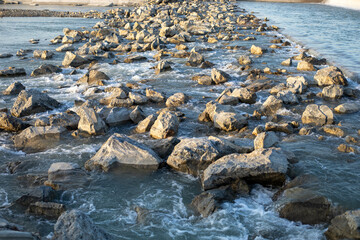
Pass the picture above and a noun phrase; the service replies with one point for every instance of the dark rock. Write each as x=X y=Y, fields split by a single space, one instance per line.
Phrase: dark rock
x=12 y=72
x=14 y=88
x=45 y=69
x=46 y=209
x=10 y=123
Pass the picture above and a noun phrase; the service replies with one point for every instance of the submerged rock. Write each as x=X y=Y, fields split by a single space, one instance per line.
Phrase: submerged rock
x=345 y=226
x=347 y=108
x=119 y=151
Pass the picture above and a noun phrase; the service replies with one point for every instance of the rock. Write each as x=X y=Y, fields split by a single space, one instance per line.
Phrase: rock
x=333 y=130
x=65 y=48
x=203 y=79
x=213 y=108
x=66 y=175
x=176 y=100
x=284 y=127
x=5 y=55
x=219 y=76
x=42 y=193
x=162 y=66
x=256 y=50
x=297 y=84
x=46 y=55
x=69 y=120
x=265 y=140
x=10 y=123
x=154 y=96
x=118 y=116
x=244 y=60
x=137 y=115
x=264 y=166
x=287 y=62
x=16 y=235
x=12 y=72
x=77 y=225
x=146 y=124
x=14 y=88
x=135 y=58
x=73 y=60
x=305 y=66
x=271 y=105
x=93 y=77
x=305 y=131
x=228 y=100
x=229 y=121
x=347 y=108
x=162 y=147
x=121 y=151
x=90 y=122
x=47 y=209
x=35 y=139
x=244 y=95
x=287 y=97
x=344 y=226
x=193 y=155
x=137 y=98
x=333 y=91
x=317 y=115
x=330 y=76
x=302 y=205
x=33 y=101
x=166 y=125
x=346 y=149
x=195 y=59
x=55 y=168
x=45 y=69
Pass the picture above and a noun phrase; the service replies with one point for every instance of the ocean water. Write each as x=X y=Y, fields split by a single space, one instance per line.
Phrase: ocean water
x=110 y=198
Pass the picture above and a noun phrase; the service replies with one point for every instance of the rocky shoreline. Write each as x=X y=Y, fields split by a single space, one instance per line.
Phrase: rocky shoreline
x=47 y=13
x=226 y=167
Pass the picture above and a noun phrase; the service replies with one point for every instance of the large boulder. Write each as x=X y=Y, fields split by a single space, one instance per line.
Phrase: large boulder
x=118 y=116
x=93 y=77
x=271 y=105
x=264 y=166
x=90 y=121
x=35 y=139
x=14 y=88
x=77 y=225
x=299 y=204
x=333 y=91
x=345 y=226
x=10 y=123
x=317 y=115
x=213 y=108
x=265 y=140
x=166 y=125
x=65 y=175
x=119 y=150
x=73 y=60
x=219 y=76
x=229 y=121
x=45 y=69
x=195 y=59
x=69 y=120
x=32 y=101
x=330 y=76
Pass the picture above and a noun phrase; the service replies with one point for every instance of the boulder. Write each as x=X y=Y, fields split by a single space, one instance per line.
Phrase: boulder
x=65 y=48
x=65 y=175
x=39 y=194
x=271 y=105
x=244 y=95
x=166 y=125
x=69 y=120
x=305 y=66
x=46 y=55
x=244 y=60
x=45 y=69
x=203 y=79
x=35 y=139
x=137 y=98
x=162 y=147
x=121 y=151
x=10 y=123
x=213 y=108
x=330 y=76
x=46 y=209
x=287 y=62
x=229 y=121
x=93 y=77
x=228 y=100
x=344 y=226
x=146 y=124
x=195 y=59
x=154 y=96
x=279 y=127
x=302 y=205
x=297 y=85
x=333 y=130
x=162 y=66
x=256 y=50
x=333 y=91
x=73 y=60
x=137 y=115
x=16 y=235
x=317 y=115
x=33 y=101
x=135 y=58
x=219 y=76
x=118 y=116
x=77 y=225
x=14 y=88
x=265 y=140
x=12 y=72
x=264 y=166
x=347 y=108
x=90 y=122
x=176 y=100
x=287 y=97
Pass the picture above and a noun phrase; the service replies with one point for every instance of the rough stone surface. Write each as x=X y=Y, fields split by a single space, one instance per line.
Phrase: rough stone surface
x=244 y=95
x=73 y=60
x=256 y=50
x=271 y=105
x=90 y=122
x=244 y=60
x=146 y=124
x=345 y=226
x=118 y=116
x=94 y=77
x=330 y=76
x=317 y=115
x=14 y=88
x=265 y=140
x=229 y=121
x=10 y=123
x=297 y=85
x=166 y=125
x=333 y=91
x=176 y=100
x=347 y=108
x=305 y=66
x=47 y=209
x=219 y=76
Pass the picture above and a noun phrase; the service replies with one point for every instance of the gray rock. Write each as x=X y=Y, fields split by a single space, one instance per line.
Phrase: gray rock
x=244 y=60
x=219 y=76
x=213 y=108
x=229 y=121
x=146 y=124
x=137 y=98
x=46 y=209
x=317 y=115
x=69 y=120
x=10 y=123
x=14 y=88
x=154 y=96
x=137 y=115
x=120 y=151
x=297 y=85
x=45 y=69
x=90 y=122
x=162 y=147
x=271 y=105
x=195 y=59
x=333 y=91
x=176 y=100
x=162 y=66
x=264 y=166
x=93 y=77
x=35 y=139
x=330 y=76
x=265 y=140
x=345 y=226
x=244 y=95
x=118 y=116
x=65 y=48
x=65 y=175
x=33 y=101
x=12 y=72
x=166 y=125
x=73 y=60
x=77 y=225
x=287 y=62
x=347 y=108
x=16 y=235
x=288 y=97
x=281 y=127
x=305 y=66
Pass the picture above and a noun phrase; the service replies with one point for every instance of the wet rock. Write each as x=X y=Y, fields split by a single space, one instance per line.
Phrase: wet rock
x=228 y=100
x=12 y=72
x=154 y=96
x=10 y=123
x=297 y=85
x=15 y=235
x=166 y=125
x=162 y=66
x=176 y=100
x=46 y=209
x=264 y=166
x=287 y=97
x=65 y=175
x=73 y=60
x=135 y=58
x=45 y=69
x=333 y=130
x=305 y=66
x=118 y=116
x=287 y=62
x=146 y=124
x=35 y=139
x=333 y=91
x=46 y=55
x=256 y=50
x=93 y=77
x=317 y=115
x=32 y=101
x=77 y=225
x=90 y=121
x=229 y=121
x=330 y=76
x=162 y=147
x=69 y=120
x=14 y=88
x=65 y=48
x=344 y=226
x=347 y=108
x=43 y=194
x=213 y=108
x=346 y=149
x=244 y=60
x=195 y=59
x=141 y=214
x=219 y=76
x=121 y=151
x=265 y=140
x=203 y=79
x=244 y=95
x=283 y=127
x=137 y=115
x=271 y=105
x=302 y=205
x=5 y=55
